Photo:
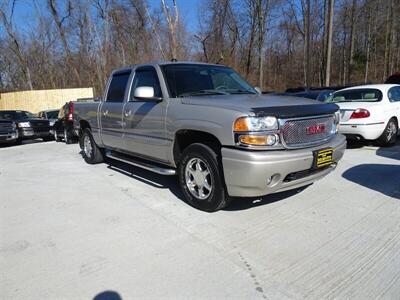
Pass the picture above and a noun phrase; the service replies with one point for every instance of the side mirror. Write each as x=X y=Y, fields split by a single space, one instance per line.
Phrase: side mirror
x=258 y=90
x=146 y=93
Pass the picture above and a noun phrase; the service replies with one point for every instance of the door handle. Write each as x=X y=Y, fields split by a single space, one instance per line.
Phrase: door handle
x=128 y=113
x=105 y=113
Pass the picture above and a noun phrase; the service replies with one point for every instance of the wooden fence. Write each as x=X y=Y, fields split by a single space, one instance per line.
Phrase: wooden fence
x=35 y=101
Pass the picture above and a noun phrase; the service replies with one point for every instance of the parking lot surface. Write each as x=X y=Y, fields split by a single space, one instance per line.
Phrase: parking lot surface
x=75 y=231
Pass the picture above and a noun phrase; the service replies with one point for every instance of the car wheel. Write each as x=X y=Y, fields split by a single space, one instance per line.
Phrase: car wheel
x=67 y=138
x=201 y=178
x=91 y=152
x=47 y=139
x=389 y=135
x=56 y=137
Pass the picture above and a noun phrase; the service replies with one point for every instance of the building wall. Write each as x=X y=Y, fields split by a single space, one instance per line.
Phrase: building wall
x=35 y=101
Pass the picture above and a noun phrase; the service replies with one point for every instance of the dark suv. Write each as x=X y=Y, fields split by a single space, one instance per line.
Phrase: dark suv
x=8 y=131
x=63 y=127
x=29 y=126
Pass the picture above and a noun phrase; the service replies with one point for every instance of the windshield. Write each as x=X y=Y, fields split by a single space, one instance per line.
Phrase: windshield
x=189 y=79
x=356 y=95
x=52 y=114
x=16 y=115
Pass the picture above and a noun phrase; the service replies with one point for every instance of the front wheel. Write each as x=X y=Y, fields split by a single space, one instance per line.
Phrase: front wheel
x=389 y=135
x=91 y=152
x=201 y=180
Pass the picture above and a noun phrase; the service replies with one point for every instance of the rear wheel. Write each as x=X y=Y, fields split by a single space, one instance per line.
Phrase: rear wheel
x=91 y=152
x=67 y=138
x=389 y=135
x=201 y=180
x=56 y=137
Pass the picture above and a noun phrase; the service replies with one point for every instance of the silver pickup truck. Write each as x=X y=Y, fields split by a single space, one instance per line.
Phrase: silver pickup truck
x=210 y=127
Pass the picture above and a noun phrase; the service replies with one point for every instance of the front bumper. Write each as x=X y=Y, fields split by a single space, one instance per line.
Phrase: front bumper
x=8 y=137
x=29 y=133
x=368 y=131
x=247 y=173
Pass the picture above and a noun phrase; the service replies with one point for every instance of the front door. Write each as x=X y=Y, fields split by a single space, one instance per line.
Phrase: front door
x=144 y=120
x=111 y=111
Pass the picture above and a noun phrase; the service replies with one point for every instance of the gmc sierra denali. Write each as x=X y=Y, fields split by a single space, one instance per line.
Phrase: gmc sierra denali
x=210 y=127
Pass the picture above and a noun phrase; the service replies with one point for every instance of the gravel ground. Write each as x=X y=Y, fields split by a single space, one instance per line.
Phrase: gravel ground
x=69 y=230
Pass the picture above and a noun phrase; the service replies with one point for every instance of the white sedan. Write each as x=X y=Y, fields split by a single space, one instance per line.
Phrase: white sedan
x=369 y=112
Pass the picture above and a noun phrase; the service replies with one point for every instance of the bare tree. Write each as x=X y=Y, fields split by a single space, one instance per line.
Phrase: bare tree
x=173 y=22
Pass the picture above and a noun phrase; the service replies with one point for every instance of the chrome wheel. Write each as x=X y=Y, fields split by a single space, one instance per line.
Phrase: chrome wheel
x=87 y=146
x=198 y=178
x=391 y=131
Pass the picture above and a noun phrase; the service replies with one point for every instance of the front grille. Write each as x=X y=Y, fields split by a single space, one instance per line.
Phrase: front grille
x=6 y=127
x=296 y=133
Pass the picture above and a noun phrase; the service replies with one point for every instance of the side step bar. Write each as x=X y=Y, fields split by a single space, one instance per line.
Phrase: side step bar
x=144 y=165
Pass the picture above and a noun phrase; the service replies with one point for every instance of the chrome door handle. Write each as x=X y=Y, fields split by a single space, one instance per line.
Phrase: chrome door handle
x=128 y=113
x=105 y=113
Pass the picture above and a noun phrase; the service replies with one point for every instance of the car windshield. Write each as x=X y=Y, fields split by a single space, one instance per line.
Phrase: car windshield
x=356 y=95
x=52 y=114
x=199 y=80
x=16 y=115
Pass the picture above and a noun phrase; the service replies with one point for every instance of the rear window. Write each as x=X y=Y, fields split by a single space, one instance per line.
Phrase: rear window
x=116 y=91
x=356 y=95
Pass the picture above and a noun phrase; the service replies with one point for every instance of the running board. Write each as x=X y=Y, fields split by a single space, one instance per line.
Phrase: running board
x=140 y=164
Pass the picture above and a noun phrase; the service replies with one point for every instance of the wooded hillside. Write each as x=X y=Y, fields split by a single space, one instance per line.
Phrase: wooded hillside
x=275 y=44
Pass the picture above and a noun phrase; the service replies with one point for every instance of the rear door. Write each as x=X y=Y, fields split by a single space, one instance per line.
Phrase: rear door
x=144 y=120
x=111 y=110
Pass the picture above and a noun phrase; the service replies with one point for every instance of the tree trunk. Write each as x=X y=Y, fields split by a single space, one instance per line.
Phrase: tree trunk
x=329 y=43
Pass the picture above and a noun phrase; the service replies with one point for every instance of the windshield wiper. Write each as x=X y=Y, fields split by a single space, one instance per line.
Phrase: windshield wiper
x=204 y=93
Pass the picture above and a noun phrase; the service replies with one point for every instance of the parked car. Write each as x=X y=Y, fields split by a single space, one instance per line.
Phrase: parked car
x=206 y=124
x=319 y=95
x=51 y=115
x=369 y=112
x=28 y=125
x=8 y=131
x=63 y=128
x=393 y=79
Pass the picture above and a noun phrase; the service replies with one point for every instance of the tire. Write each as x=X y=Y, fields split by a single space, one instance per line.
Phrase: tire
x=56 y=137
x=210 y=194
x=389 y=135
x=47 y=139
x=91 y=152
x=67 y=138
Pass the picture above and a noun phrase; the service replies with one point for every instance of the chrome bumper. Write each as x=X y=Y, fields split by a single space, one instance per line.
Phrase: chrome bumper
x=258 y=173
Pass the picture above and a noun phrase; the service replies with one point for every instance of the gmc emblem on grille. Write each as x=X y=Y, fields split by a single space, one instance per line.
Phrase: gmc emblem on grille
x=315 y=129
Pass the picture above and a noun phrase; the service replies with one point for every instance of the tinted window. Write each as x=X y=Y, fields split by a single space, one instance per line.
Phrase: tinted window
x=146 y=77
x=394 y=94
x=186 y=79
x=52 y=114
x=116 y=91
x=356 y=95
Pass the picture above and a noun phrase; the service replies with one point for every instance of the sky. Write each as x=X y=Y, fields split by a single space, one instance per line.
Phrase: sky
x=188 y=9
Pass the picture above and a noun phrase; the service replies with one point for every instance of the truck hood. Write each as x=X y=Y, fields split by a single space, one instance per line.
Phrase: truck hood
x=271 y=105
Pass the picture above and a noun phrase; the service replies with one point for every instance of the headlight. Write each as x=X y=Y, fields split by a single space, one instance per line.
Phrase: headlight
x=24 y=124
x=255 y=124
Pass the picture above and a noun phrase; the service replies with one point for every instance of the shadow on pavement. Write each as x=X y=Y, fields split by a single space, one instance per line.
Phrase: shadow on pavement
x=107 y=295
x=378 y=177
x=171 y=183
x=247 y=203
x=150 y=178
x=390 y=152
